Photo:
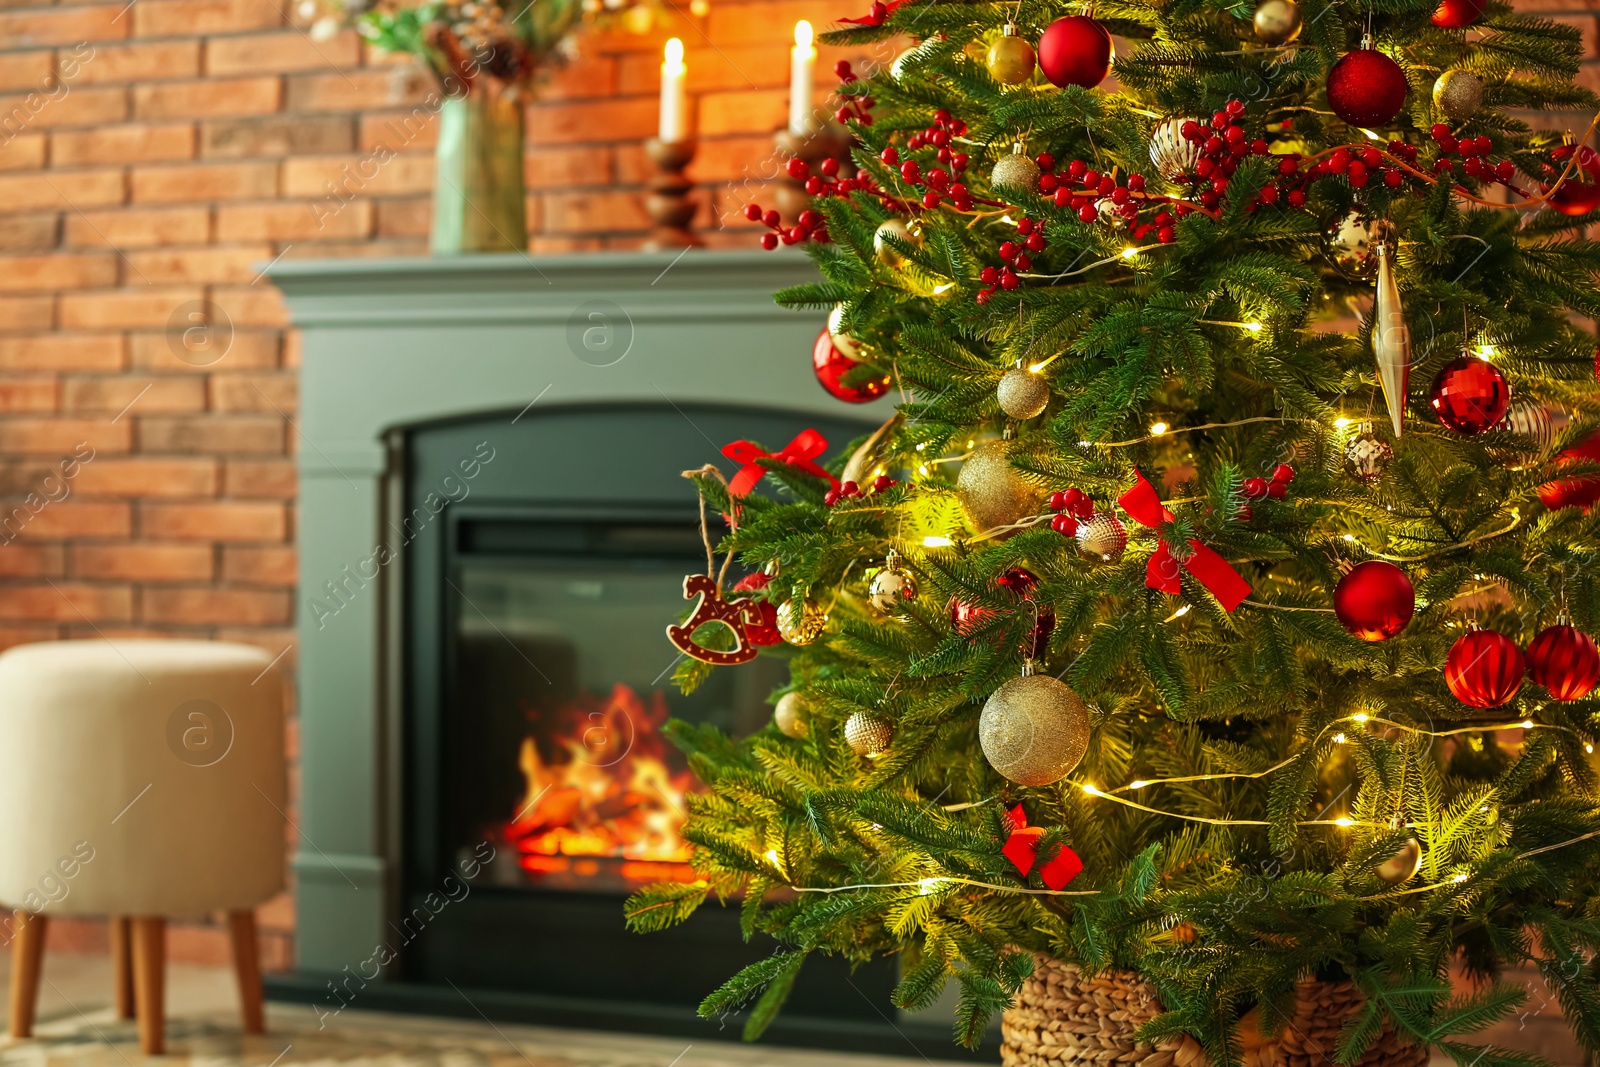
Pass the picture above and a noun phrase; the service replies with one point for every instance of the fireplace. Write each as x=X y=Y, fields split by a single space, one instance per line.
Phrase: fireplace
x=493 y=535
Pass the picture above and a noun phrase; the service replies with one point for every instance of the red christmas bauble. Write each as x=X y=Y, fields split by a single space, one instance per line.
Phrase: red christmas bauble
x=1484 y=669
x=1575 y=492
x=1456 y=14
x=966 y=617
x=1470 y=395
x=1366 y=88
x=1565 y=661
x=832 y=365
x=1075 y=50
x=765 y=631
x=1375 y=600
x=1574 y=196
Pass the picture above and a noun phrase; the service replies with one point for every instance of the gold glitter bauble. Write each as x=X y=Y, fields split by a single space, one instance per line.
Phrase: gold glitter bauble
x=991 y=491
x=1367 y=456
x=1102 y=538
x=1402 y=865
x=1459 y=94
x=1010 y=59
x=846 y=344
x=1022 y=393
x=888 y=255
x=1170 y=153
x=1015 y=172
x=891 y=587
x=868 y=733
x=1277 y=21
x=1529 y=419
x=790 y=716
x=1034 y=729
x=1353 y=242
x=800 y=621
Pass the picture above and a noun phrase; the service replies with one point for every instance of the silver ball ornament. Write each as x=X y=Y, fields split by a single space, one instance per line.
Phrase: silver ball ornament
x=1367 y=456
x=1402 y=865
x=991 y=491
x=1352 y=243
x=1102 y=538
x=790 y=716
x=800 y=621
x=1458 y=94
x=887 y=254
x=1034 y=729
x=1277 y=21
x=868 y=733
x=1022 y=393
x=1015 y=172
x=1172 y=155
x=891 y=587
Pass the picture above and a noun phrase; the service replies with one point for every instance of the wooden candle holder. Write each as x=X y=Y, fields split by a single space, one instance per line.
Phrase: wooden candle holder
x=829 y=141
x=667 y=201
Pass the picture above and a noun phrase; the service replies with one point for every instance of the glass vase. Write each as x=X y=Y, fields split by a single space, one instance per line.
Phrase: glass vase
x=479 y=199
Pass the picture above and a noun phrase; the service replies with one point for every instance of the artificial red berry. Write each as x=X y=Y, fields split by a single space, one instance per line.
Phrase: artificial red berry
x=1209 y=198
x=798 y=168
x=1439 y=131
x=1245 y=513
x=830 y=498
x=1065 y=525
x=910 y=171
x=1357 y=174
x=1058 y=501
x=752 y=212
x=1136 y=182
x=1443 y=166
x=958 y=161
x=1166 y=235
x=1235 y=135
x=890 y=155
x=1008 y=280
x=1205 y=168
x=930 y=199
x=1045 y=160
x=769 y=241
x=1072 y=499
x=1214 y=145
x=1269 y=194
x=1255 y=488
x=1220 y=120
x=1288 y=165
x=1448 y=144
x=849 y=489
x=1107 y=183
x=1063 y=197
x=1077 y=168
x=1235 y=108
x=830 y=167
x=1088 y=213
x=1339 y=162
x=1220 y=184
x=983 y=296
x=989 y=275
x=1283 y=473
x=1372 y=158
x=814 y=185
x=1277 y=490
x=1483 y=145
x=1008 y=250
x=1394 y=179
x=1505 y=170
x=1119 y=195
x=1024 y=263
x=1091 y=177
x=1258 y=147
x=1036 y=241
x=882 y=483
x=1048 y=183
x=770 y=219
x=1190 y=130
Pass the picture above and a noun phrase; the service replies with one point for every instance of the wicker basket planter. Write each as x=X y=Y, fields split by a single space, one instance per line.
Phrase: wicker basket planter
x=1060 y=1017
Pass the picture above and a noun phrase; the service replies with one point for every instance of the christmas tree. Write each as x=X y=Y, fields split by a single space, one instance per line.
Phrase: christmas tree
x=1213 y=610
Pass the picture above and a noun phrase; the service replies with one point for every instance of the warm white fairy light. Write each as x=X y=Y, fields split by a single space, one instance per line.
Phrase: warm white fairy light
x=1129 y=252
x=1139 y=784
x=936 y=542
x=1340 y=423
x=1158 y=428
x=1344 y=822
x=1360 y=716
x=927 y=885
x=772 y=857
x=1338 y=739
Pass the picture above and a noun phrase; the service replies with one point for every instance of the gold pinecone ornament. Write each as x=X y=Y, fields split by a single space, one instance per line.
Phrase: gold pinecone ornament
x=1034 y=729
x=868 y=733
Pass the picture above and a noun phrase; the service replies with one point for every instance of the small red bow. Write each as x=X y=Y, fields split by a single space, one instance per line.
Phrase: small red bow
x=1022 y=848
x=878 y=14
x=802 y=452
x=1208 y=568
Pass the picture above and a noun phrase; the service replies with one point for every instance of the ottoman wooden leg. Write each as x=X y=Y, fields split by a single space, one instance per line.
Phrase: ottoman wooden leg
x=122 y=964
x=149 y=980
x=247 y=963
x=27 y=959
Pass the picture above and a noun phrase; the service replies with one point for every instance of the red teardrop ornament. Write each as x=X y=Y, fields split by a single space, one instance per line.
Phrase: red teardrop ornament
x=1565 y=661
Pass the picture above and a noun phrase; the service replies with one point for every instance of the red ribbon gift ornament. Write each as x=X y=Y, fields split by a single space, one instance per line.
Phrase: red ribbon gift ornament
x=1022 y=849
x=802 y=452
x=1208 y=568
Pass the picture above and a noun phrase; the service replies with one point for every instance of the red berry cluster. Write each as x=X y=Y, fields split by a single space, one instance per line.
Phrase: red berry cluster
x=1082 y=189
x=1223 y=146
x=939 y=184
x=809 y=226
x=1474 y=153
x=1277 y=488
x=854 y=107
x=1072 y=506
x=1358 y=166
x=848 y=490
x=1016 y=257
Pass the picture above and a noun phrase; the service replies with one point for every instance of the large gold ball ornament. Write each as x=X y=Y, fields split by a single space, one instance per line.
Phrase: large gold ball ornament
x=790 y=716
x=1459 y=94
x=1022 y=393
x=1016 y=172
x=1034 y=729
x=1102 y=538
x=1172 y=155
x=868 y=733
x=1277 y=21
x=846 y=344
x=891 y=587
x=800 y=621
x=1367 y=456
x=1011 y=59
x=1401 y=866
x=991 y=491
x=1352 y=243
x=887 y=254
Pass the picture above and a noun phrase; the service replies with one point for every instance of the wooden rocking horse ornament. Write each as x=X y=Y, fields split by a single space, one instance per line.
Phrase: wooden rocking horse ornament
x=735 y=614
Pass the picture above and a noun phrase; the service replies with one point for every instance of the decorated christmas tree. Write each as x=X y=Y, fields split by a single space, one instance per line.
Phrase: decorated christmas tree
x=1206 y=633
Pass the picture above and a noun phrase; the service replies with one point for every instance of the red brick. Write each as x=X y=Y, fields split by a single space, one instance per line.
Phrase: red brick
x=74 y=518
x=292 y=220
x=348 y=91
x=123 y=144
x=260 y=566
x=594 y=211
x=737 y=112
x=29 y=233
x=114 y=308
x=26 y=70
x=204 y=181
x=222 y=435
x=550 y=168
x=135 y=396
x=757 y=66
x=275 y=135
x=411 y=130
x=25 y=152
x=608 y=120
x=260 y=478
x=63 y=25
x=252 y=305
x=247 y=349
x=274 y=53
x=24 y=313
x=27 y=394
x=403 y=218
x=177 y=18
x=253 y=392
x=594 y=74
x=332 y=179
x=203 y=99
x=63 y=351
x=60 y=190
x=145 y=561
x=146 y=61
x=10 y=637
x=220 y=521
x=19 y=560
x=247 y=607
x=60 y=271
x=77 y=107
x=138 y=227
x=200 y=265
x=62 y=435
x=69 y=602
x=138 y=476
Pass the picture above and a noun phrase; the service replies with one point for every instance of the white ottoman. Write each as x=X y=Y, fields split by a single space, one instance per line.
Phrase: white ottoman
x=140 y=779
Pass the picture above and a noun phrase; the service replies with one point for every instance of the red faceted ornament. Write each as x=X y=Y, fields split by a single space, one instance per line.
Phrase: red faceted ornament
x=832 y=365
x=1366 y=88
x=1457 y=14
x=1565 y=661
x=1075 y=50
x=1470 y=395
x=1484 y=669
x=1575 y=196
x=1375 y=600
x=764 y=631
x=1575 y=492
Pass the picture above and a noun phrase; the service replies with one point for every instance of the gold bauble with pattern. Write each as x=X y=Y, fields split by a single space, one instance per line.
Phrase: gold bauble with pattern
x=800 y=620
x=868 y=733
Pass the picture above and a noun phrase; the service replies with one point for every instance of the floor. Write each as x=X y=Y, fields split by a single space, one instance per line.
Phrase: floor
x=76 y=1028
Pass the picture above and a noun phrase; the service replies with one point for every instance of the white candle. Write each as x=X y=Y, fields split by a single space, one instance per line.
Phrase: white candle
x=674 y=104
x=802 y=63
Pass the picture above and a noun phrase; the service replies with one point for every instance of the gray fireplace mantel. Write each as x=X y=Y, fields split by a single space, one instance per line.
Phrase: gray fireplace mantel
x=394 y=343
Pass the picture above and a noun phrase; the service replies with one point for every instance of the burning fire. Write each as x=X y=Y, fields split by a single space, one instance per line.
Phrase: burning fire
x=610 y=794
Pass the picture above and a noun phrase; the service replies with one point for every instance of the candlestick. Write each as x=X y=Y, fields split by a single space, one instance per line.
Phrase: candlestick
x=674 y=103
x=802 y=63
x=668 y=202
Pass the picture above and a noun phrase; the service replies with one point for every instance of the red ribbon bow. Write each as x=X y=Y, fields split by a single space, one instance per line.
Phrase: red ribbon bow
x=877 y=14
x=802 y=452
x=1208 y=568
x=1022 y=849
